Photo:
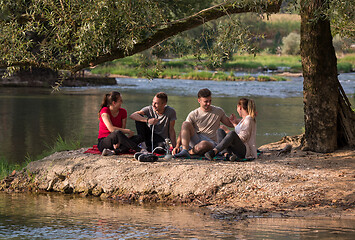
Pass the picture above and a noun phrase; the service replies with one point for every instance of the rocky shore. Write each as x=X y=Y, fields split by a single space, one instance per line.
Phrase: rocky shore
x=289 y=183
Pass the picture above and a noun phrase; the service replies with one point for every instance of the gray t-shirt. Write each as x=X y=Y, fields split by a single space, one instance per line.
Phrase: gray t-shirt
x=206 y=123
x=162 y=127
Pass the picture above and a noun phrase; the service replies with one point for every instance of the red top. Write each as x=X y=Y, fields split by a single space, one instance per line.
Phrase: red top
x=116 y=121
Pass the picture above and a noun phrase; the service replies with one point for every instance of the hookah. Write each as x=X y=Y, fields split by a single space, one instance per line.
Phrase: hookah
x=168 y=155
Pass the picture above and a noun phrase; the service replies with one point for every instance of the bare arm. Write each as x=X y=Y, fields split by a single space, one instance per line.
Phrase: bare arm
x=233 y=119
x=172 y=133
x=225 y=120
x=124 y=123
x=138 y=116
x=178 y=144
x=106 y=119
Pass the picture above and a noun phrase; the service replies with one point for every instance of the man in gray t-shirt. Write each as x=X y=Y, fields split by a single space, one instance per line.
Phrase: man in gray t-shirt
x=198 y=132
x=157 y=118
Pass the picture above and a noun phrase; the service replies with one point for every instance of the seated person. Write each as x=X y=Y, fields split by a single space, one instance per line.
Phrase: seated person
x=241 y=142
x=198 y=132
x=157 y=119
x=112 y=137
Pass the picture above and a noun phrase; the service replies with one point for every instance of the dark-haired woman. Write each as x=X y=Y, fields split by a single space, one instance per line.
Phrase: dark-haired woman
x=112 y=127
x=240 y=143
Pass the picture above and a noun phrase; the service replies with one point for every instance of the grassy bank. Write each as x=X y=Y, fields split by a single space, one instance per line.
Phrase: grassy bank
x=190 y=68
x=61 y=144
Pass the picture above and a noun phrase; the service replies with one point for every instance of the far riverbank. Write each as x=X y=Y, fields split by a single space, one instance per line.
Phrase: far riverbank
x=268 y=67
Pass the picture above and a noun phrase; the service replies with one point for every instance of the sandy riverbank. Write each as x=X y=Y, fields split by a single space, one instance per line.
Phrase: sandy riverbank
x=291 y=184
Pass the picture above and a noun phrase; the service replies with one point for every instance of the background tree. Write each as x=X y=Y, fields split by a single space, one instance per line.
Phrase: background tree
x=76 y=34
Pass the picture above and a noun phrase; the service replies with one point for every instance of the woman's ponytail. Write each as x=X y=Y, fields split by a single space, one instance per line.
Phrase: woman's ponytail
x=251 y=108
x=108 y=99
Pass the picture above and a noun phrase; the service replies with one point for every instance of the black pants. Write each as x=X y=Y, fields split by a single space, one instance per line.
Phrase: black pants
x=119 y=137
x=230 y=143
x=146 y=134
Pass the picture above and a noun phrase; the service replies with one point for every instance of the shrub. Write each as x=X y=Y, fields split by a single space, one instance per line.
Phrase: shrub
x=291 y=44
x=345 y=67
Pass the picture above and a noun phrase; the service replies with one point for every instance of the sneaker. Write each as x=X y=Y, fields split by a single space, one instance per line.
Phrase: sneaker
x=183 y=154
x=147 y=158
x=137 y=154
x=107 y=152
x=232 y=157
x=210 y=155
x=159 y=150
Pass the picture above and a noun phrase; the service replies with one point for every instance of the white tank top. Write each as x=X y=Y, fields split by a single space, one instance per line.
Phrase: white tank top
x=238 y=127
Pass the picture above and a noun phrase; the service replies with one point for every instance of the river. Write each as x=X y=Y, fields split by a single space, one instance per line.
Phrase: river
x=32 y=118
x=54 y=216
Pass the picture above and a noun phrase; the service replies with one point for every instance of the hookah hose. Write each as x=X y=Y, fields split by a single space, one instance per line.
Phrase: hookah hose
x=152 y=137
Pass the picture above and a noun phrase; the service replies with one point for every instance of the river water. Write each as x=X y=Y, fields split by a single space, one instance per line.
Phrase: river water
x=53 y=216
x=30 y=120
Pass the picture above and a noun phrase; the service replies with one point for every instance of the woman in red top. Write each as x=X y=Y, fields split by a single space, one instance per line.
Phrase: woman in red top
x=112 y=126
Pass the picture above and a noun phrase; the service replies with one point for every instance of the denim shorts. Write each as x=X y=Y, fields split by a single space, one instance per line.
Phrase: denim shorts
x=199 y=137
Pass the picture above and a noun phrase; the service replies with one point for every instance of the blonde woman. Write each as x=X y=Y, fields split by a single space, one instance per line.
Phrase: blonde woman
x=240 y=143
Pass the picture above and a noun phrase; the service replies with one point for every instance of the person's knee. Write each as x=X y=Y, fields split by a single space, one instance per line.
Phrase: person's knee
x=202 y=147
x=186 y=125
x=140 y=124
x=220 y=131
x=232 y=134
x=119 y=132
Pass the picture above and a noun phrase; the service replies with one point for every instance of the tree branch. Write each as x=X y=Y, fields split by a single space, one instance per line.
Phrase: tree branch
x=179 y=26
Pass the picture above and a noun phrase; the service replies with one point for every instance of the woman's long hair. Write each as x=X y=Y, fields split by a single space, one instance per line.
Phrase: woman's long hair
x=108 y=99
x=249 y=106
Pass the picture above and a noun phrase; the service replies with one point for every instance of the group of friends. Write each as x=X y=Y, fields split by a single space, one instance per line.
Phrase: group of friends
x=205 y=131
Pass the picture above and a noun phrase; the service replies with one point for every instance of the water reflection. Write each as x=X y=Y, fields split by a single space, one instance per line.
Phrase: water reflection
x=53 y=216
x=32 y=122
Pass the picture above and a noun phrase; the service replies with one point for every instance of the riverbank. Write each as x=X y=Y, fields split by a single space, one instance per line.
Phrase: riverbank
x=188 y=67
x=294 y=184
x=47 y=79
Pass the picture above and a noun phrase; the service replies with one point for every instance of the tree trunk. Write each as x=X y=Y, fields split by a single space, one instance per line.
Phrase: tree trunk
x=323 y=101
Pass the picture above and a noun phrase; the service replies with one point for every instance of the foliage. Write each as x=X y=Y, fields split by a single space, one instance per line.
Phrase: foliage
x=7 y=168
x=60 y=145
x=291 y=44
x=345 y=67
x=342 y=44
x=75 y=34
x=347 y=58
x=342 y=16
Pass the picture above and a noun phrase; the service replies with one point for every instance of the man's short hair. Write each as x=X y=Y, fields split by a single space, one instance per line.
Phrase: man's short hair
x=163 y=96
x=203 y=93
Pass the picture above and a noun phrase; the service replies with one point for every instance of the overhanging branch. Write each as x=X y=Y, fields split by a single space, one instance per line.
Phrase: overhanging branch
x=179 y=26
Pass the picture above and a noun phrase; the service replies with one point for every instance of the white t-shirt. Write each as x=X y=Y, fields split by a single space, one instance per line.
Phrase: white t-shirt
x=206 y=123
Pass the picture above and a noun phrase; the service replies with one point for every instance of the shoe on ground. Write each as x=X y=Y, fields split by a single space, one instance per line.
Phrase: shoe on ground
x=183 y=154
x=137 y=154
x=144 y=150
x=232 y=157
x=210 y=155
x=159 y=150
x=147 y=158
x=107 y=152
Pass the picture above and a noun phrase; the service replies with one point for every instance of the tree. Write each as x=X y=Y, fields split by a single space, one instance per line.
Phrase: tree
x=329 y=120
x=76 y=34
